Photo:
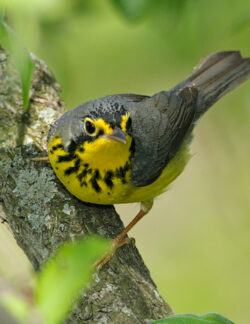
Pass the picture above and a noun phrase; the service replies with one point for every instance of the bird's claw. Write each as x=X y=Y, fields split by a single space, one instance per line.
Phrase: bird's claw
x=115 y=244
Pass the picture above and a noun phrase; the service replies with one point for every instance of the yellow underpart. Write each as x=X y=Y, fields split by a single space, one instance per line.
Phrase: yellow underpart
x=105 y=155
x=160 y=185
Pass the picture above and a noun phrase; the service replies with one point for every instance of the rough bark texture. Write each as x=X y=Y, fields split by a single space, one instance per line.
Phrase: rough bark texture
x=42 y=215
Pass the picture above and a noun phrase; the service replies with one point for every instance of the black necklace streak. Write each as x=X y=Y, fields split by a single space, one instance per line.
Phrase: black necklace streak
x=74 y=168
x=66 y=158
x=120 y=172
x=56 y=147
x=94 y=182
x=81 y=176
x=108 y=179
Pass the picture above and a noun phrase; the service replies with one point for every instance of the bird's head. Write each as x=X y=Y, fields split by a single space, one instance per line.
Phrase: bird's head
x=97 y=131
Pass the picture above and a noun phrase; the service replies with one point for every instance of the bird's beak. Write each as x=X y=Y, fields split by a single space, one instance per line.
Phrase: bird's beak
x=118 y=136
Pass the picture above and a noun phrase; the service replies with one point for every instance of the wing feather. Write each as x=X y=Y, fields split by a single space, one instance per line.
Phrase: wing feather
x=158 y=128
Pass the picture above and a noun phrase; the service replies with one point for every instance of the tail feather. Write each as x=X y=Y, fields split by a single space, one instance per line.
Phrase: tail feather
x=216 y=75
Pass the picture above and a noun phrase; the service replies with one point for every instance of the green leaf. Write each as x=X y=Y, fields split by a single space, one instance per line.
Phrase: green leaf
x=132 y=9
x=209 y=318
x=21 y=57
x=64 y=275
x=17 y=307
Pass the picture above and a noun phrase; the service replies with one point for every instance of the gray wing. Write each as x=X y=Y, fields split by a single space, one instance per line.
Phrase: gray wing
x=159 y=125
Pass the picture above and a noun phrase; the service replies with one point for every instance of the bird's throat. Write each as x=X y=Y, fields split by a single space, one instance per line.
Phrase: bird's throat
x=105 y=154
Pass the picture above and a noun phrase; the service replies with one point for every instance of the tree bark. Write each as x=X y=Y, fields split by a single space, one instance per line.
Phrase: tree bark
x=42 y=214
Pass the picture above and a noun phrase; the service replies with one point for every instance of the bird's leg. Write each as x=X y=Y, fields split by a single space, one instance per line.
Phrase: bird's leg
x=120 y=240
x=41 y=159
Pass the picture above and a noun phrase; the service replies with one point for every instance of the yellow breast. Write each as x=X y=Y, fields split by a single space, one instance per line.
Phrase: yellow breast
x=99 y=172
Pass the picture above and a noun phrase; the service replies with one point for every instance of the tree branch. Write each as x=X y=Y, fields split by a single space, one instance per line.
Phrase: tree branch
x=42 y=214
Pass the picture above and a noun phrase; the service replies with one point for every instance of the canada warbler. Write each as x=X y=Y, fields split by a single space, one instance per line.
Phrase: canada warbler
x=128 y=148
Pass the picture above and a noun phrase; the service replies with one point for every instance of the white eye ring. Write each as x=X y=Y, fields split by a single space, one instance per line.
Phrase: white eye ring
x=90 y=127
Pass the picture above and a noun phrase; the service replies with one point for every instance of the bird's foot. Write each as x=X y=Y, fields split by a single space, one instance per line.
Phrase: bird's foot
x=115 y=244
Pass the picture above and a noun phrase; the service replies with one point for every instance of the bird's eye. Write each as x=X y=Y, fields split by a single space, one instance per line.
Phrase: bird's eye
x=90 y=127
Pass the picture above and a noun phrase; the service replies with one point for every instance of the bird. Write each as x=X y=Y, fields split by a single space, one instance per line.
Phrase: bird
x=127 y=148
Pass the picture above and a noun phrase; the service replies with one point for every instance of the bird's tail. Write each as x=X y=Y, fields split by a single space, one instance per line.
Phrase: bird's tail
x=216 y=75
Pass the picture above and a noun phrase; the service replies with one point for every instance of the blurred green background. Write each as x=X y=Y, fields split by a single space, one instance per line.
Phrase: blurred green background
x=195 y=241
